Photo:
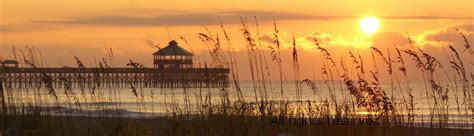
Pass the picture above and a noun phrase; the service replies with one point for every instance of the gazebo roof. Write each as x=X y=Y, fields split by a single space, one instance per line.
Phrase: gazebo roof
x=173 y=49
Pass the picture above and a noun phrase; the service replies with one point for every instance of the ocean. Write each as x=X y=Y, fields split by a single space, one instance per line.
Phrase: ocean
x=151 y=102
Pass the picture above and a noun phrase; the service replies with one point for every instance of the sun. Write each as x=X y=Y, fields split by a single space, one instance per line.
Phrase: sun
x=369 y=25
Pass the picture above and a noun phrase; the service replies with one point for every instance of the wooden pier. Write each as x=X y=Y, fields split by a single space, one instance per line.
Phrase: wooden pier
x=114 y=77
x=172 y=68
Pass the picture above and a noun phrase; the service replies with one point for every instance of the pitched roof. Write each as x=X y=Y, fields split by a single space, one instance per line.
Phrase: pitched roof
x=173 y=49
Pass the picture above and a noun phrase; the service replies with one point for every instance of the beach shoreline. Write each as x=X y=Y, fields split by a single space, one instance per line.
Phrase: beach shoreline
x=200 y=125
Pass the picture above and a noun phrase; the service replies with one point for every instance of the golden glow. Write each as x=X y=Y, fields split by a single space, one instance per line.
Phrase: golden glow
x=369 y=25
x=84 y=28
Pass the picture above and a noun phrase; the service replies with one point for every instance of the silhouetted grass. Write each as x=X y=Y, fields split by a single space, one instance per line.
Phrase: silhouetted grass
x=362 y=96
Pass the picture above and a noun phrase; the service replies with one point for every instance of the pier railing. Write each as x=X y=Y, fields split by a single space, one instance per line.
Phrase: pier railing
x=115 y=77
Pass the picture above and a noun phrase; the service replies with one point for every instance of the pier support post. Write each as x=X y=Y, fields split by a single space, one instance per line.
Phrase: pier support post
x=4 y=109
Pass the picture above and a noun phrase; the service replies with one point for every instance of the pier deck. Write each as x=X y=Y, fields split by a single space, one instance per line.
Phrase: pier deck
x=115 y=77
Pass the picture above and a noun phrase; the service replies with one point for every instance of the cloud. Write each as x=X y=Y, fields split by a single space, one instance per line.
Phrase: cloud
x=269 y=38
x=156 y=11
x=390 y=39
x=3 y=29
x=326 y=40
x=176 y=18
x=188 y=19
x=448 y=35
x=323 y=39
x=429 y=38
x=332 y=41
x=427 y=17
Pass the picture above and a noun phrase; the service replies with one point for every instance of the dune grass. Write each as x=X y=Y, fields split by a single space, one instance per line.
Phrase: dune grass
x=353 y=87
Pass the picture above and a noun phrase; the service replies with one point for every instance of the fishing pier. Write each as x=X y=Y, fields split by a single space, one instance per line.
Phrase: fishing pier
x=172 y=68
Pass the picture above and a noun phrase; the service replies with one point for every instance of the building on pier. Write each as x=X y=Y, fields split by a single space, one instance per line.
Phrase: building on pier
x=172 y=68
x=9 y=64
x=172 y=57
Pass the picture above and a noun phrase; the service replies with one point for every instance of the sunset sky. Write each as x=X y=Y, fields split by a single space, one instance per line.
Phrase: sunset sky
x=61 y=29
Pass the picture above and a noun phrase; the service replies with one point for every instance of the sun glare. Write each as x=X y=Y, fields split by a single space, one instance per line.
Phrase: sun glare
x=369 y=25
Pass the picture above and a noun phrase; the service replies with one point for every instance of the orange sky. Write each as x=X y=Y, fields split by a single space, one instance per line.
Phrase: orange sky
x=85 y=28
